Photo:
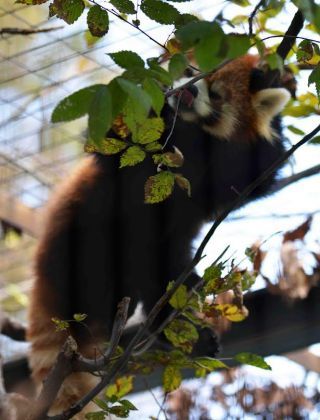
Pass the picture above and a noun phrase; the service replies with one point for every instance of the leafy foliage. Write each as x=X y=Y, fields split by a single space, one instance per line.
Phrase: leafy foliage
x=69 y=11
x=124 y=6
x=132 y=156
x=253 y=360
x=98 y=21
x=127 y=59
x=159 y=187
x=159 y=11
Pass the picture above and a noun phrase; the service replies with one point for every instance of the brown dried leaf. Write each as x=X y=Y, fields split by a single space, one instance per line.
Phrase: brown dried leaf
x=298 y=233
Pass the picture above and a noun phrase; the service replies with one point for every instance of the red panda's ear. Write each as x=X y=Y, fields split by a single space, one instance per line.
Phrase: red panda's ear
x=268 y=103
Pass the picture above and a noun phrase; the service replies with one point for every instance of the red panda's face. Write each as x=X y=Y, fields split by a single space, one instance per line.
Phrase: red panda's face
x=235 y=99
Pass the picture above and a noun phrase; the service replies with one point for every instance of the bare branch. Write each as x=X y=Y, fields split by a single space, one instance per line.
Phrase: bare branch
x=253 y=14
x=284 y=182
x=69 y=360
x=19 y=31
x=61 y=369
x=290 y=36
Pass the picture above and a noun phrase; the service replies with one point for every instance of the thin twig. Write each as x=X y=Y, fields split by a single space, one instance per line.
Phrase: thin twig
x=174 y=119
x=19 y=31
x=252 y=16
x=195 y=79
x=285 y=182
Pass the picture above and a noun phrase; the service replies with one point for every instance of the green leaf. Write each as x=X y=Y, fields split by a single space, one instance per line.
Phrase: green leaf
x=182 y=334
x=140 y=100
x=124 y=6
x=274 y=61
x=127 y=59
x=213 y=272
x=171 y=379
x=183 y=19
x=206 y=38
x=180 y=296
x=315 y=78
x=128 y=405
x=137 y=75
x=75 y=105
x=132 y=156
x=159 y=73
x=315 y=140
x=177 y=65
x=148 y=131
x=317 y=16
x=119 y=411
x=248 y=279
x=295 y=130
x=98 y=415
x=60 y=324
x=69 y=11
x=101 y=404
x=155 y=93
x=119 y=98
x=158 y=187
x=298 y=111
x=210 y=364
x=79 y=317
x=305 y=51
x=108 y=146
x=98 y=21
x=100 y=114
x=306 y=7
x=159 y=11
x=252 y=360
x=237 y=45
x=242 y=3
x=120 y=388
x=153 y=147
x=90 y=39
x=194 y=32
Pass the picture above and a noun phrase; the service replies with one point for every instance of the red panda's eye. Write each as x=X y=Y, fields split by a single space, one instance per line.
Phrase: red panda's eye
x=214 y=95
x=188 y=72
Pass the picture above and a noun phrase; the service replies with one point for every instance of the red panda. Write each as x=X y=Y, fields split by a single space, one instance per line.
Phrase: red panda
x=101 y=242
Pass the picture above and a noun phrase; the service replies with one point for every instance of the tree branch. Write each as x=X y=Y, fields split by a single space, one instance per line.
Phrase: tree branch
x=19 y=31
x=69 y=361
x=290 y=36
x=59 y=372
x=285 y=182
